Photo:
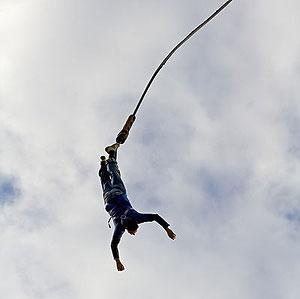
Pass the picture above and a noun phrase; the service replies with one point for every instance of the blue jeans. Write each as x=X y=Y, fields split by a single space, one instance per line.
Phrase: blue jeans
x=111 y=180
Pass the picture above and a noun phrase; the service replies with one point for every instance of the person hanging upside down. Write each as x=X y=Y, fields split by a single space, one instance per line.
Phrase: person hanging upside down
x=118 y=206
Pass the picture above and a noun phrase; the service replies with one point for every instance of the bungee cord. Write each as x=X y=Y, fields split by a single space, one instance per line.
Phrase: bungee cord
x=122 y=136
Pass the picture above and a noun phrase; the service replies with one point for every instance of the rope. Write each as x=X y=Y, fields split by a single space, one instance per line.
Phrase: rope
x=173 y=51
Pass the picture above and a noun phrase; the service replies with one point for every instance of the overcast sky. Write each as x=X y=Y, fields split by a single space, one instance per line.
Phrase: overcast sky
x=215 y=148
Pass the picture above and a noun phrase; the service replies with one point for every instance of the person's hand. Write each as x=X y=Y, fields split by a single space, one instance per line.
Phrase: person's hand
x=120 y=266
x=170 y=233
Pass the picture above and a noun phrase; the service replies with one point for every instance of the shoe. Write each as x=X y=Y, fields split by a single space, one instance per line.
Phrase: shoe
x=112 y=148
x=103 y=161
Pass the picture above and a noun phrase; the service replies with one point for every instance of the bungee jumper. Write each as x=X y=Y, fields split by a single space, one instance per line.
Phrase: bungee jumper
x=116 y=202
x=118 y=206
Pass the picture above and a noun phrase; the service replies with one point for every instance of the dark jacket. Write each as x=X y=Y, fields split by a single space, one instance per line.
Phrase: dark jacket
x=119 y=208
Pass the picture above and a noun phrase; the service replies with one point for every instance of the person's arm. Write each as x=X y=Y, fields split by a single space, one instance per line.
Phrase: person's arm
x=114 y=247
x=162 y=222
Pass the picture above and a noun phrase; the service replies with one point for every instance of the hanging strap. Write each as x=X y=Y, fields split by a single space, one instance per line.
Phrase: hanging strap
x=108 y=222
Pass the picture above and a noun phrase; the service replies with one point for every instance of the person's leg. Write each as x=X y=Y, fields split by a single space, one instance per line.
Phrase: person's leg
x=105 y=176
x=114 y=169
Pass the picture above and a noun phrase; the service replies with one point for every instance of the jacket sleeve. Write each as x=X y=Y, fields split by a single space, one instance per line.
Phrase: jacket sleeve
x=141 y=218
x=118 y=232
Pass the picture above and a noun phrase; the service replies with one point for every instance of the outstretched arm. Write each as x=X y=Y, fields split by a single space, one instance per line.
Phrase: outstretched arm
x=165 y=225
x=159 y=220
x=114 y=247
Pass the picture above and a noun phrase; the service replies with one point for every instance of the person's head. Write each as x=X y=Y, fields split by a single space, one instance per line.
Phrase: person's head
x=130 y=225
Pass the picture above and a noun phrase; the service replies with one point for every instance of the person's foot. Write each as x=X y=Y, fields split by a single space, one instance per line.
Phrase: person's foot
x=112 y=148
x=103 y=160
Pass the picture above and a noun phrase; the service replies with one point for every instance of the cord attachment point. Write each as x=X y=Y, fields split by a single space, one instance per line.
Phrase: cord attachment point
x=122 y=136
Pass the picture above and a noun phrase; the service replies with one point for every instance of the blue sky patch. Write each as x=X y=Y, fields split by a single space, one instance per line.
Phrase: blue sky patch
x=9 y=190
x=293 y=216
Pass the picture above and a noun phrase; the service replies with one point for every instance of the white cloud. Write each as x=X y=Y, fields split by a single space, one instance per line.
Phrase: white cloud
x=214 y=149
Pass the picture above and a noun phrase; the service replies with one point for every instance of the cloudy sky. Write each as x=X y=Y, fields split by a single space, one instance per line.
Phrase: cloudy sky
x=215 y=148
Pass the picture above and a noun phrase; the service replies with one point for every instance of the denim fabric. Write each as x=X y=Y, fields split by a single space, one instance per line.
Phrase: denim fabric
x=111 y=180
